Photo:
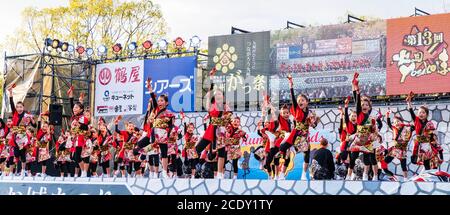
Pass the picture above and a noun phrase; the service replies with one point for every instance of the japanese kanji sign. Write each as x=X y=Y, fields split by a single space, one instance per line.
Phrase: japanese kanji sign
x=118 y=89
x=417 y=54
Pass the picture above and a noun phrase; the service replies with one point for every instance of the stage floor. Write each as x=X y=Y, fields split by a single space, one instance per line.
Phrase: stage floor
x=144 y=186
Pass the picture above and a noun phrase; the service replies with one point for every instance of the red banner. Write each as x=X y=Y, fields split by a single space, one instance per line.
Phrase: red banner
x=418 y=55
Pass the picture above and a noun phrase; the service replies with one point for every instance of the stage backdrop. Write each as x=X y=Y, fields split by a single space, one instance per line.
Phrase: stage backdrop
x=418 y=53
x=322 y=59
x=121 y=89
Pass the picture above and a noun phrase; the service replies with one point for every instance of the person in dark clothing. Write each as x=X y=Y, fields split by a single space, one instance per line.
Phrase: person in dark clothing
x=322 y=167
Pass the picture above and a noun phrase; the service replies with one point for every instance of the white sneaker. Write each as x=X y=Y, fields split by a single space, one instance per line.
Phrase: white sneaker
x=365 y=177
x=281 y=176
x=164 y=175
x=234 y=176
x=219 y=176
x=353 y=177
x=192 y=176
x=348 y=177
x=44 y=175
x=303 y=177
x=22 y=173
x=375 y=178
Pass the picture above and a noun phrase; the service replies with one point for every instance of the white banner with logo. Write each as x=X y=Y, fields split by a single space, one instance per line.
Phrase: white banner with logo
x=118 y=88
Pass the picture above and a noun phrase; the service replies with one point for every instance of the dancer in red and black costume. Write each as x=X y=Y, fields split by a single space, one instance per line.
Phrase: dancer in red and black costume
x=265 y=127
x=303 y=120
x=104 y=140
x=366 y=131
x=162 y=126
x=126 y=145
x=234 y=136
x=401 y=136
x=191 y=158
x=44 y=138
x=20 y=121
x=63 y=152
x=78 y=126
x=5 y=129
x=348 y=129
x=427 y=151
x=147 y=138
x=219 y=117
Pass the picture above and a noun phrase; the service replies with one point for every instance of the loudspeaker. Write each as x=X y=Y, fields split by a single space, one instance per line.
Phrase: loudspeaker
x=55 y=114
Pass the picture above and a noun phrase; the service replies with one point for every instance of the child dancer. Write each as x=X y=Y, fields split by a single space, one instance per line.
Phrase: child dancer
x=401 y=136
x=234 y=136
x=162 y=125
x=366 y=131
x=427 y=150
x=190 y=140
x=303 y=119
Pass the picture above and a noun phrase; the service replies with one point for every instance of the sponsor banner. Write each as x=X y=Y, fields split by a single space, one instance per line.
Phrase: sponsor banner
x=174 y=77
x=118 y=88
x=418 y=54
x=62 y=188
x=251 y=168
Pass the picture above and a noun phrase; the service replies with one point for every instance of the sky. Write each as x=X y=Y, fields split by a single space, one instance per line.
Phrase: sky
x=204 y=18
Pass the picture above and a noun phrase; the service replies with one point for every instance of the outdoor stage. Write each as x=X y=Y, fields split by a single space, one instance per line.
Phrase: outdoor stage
x=144 y=186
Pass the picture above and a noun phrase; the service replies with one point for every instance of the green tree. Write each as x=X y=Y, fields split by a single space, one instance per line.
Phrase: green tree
x=89 y=23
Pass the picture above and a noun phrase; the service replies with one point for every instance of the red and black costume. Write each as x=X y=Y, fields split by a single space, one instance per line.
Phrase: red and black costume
x=299 y=135
x=79 y=131
x=215 y=132
x=18 y=139
x=191 y=158
x=162 y=126
x=426 y=151
x=104 y=141
x=45 y=139
x=401 y=137
x=233 y=145
x=125 y=156
x=4 y=146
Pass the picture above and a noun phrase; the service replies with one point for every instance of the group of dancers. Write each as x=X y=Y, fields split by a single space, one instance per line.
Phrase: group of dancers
x=88 y=146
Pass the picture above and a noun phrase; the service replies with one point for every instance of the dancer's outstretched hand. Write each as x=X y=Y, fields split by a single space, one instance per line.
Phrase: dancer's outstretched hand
x=347 y=101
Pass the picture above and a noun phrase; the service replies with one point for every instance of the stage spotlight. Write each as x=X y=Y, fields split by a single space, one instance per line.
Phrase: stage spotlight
x=70 y=48
x=89 y=52
x=64 y=46
x=132 y=46
x=195 y=42
x=80 y=50
x=117 y=48
x=48 y=42
x=162 y=45
x=179 y=42
x=102 y=50
x=147 y=45
x=55 y=43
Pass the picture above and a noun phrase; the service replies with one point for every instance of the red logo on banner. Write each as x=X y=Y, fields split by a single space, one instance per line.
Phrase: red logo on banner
x=105 y=76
